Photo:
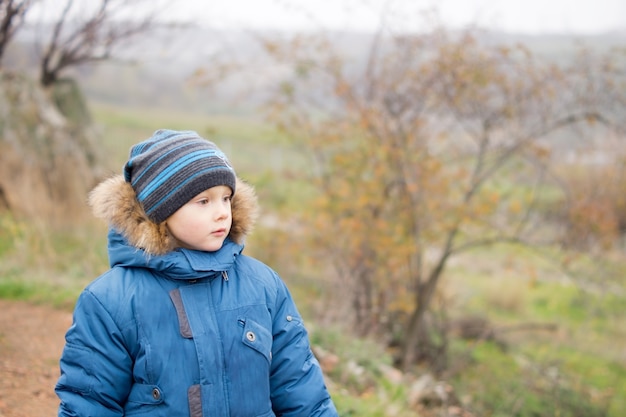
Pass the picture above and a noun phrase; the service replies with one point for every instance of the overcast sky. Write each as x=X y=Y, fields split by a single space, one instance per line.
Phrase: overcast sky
x=527 y=16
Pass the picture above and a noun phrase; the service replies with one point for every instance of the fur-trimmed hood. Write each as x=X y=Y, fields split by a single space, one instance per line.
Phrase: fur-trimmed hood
x=114 y=200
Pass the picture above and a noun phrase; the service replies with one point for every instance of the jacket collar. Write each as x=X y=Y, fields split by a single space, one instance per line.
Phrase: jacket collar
x=177 y=264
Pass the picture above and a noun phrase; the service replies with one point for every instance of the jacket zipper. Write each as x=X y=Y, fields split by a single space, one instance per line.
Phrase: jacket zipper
x=225 y=275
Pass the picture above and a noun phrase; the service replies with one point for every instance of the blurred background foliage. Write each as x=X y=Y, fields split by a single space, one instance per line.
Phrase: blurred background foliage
x=448 y=207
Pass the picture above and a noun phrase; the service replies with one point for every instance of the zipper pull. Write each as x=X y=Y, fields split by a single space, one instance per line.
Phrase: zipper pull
x=225 y=275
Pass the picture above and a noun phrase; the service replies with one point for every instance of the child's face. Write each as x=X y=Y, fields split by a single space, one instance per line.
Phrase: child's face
x=204 y=222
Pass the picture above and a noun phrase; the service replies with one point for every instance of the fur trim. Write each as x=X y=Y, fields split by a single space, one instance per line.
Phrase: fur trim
x=114 y=200
x=245 y=209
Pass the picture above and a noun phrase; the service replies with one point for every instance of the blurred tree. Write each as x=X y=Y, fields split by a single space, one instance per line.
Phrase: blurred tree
x=12 y=14
x=83 y=35
x=47 y=123
x=429 y=146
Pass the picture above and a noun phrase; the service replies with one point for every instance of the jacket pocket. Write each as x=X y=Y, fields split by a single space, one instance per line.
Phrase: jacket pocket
x=257 y=337
x=143 y=399
x=145 y=394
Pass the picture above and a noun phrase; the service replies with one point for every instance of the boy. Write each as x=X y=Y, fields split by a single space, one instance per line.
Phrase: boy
x=184 y=324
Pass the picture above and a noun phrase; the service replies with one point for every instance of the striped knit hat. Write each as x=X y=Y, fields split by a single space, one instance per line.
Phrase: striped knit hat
x=171 y=167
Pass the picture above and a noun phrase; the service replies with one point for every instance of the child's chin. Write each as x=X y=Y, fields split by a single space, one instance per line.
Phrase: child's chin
x=212 y=247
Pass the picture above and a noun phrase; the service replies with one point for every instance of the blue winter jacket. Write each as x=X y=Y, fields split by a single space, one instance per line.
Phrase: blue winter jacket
x=188 y=333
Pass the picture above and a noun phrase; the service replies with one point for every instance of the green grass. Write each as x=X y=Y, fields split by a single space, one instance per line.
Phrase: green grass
x=252 y=146
x=39 y=292
x=47 y=263
x=40 y=266
x=526 y=386
x=577 y=370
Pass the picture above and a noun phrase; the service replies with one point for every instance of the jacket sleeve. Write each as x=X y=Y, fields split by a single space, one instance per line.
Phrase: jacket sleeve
x=296 y=379
x=96 y=369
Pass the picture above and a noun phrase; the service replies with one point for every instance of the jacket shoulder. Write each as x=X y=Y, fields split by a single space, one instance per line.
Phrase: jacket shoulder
x=114 y=288
x=254 y=269
x=115 y=278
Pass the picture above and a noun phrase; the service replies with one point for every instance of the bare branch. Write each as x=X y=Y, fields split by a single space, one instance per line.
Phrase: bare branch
x=80 y=39
x=12 y=14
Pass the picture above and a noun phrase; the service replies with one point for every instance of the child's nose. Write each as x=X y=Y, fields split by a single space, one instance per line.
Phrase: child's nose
x=222 y=211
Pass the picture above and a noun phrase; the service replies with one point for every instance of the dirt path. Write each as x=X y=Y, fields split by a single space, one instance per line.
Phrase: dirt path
x=31 y=340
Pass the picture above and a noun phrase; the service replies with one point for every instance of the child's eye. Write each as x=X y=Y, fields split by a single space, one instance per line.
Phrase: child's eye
x=228 y=198
x=203 y=201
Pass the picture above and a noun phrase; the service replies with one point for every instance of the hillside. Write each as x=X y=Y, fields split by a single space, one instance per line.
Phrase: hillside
x=187 y=67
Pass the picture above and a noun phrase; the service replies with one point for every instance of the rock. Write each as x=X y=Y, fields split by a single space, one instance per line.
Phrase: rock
x=48 y=162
